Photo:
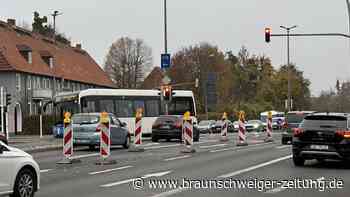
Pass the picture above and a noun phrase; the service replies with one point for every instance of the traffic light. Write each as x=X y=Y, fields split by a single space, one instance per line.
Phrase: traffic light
x=8 y=99
x=167 y=93
x=267 y=34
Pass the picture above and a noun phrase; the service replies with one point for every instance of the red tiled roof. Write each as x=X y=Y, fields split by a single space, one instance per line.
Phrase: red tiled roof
x=69 y=62
x=154 y=79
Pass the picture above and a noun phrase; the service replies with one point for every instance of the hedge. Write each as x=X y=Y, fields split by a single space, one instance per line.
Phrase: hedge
x=31 y=124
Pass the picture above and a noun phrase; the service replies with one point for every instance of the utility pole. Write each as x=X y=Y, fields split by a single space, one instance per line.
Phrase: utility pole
x=288 y=66
x=165 y=49
x=55 y=14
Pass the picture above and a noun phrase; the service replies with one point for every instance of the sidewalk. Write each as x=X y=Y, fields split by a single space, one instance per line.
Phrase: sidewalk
x=33 y=143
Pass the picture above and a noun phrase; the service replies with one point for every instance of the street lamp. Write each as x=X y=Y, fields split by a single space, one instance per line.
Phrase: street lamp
x=288 y=64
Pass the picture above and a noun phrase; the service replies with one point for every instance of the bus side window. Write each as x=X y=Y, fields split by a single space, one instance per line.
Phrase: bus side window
x=107 y=106
x=124 y=108
x=152 y=108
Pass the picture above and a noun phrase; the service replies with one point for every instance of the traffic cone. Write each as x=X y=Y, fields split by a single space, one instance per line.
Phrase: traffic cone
x=224 y=127
x=269 y=128
x=242 y=138
x=105 y=140
x=135 y=147
x=187 y=131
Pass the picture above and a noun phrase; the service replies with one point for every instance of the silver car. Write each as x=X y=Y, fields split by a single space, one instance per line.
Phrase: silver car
x=86 y=133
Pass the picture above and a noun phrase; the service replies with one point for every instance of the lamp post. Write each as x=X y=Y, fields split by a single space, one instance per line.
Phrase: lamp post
x=288 y=65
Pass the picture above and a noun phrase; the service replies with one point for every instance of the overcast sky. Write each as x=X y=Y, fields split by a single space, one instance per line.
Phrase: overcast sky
x=229 y=24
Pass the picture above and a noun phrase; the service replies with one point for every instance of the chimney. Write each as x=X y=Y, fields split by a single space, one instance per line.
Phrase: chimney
x=78 y=46
x=11 y=22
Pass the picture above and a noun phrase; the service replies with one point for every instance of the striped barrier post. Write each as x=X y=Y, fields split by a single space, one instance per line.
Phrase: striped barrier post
x=269 y=128
x=105 y=140
x=224 y=127
x=242 y=138
x=187 y=131
x=135 y=147
x=67 y=140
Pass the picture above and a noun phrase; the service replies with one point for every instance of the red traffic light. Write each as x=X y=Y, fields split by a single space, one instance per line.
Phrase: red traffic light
x=267 y=34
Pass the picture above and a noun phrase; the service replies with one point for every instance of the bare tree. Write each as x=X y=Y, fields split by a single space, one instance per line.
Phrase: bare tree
x=127 y=62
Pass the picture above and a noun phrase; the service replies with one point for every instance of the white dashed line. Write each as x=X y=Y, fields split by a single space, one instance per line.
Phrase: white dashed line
x=110 y=170
x=176 y=158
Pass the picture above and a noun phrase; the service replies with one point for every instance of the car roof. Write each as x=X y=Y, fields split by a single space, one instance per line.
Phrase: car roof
x=329 y=114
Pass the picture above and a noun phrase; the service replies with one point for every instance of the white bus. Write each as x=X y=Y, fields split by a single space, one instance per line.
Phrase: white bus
x=124 y=102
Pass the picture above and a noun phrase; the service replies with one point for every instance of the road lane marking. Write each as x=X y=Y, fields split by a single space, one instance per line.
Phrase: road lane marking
x=255 y=167
x=110 y=170
x=176 y=158
x=165 y=146
x=284 y=146
x=117 y=183
x=239 y=148
x=85 y=156
x=157 y=174
x=215 y=145
x=46 y=170
x=151 y=144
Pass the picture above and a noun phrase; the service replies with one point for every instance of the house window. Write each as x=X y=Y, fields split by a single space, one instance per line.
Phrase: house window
x=18 y=82
x=29 y=82
x=26 y=52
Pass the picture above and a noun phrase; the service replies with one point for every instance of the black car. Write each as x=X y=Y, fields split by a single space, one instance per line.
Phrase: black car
x=322 y=136
x=170 y=127
x=3 y=138
x=293 y=119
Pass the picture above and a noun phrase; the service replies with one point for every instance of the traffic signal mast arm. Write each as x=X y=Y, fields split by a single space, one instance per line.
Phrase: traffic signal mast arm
x=312 y=34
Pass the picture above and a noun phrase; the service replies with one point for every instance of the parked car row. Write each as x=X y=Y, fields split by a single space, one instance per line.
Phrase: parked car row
x=212 y=126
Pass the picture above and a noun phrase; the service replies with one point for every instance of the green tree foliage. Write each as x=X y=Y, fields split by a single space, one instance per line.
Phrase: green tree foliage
x=40 y=26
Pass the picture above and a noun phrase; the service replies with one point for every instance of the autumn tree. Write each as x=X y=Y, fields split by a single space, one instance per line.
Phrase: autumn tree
x=127 y=61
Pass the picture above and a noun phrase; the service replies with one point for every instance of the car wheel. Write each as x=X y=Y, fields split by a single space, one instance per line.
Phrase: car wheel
x=284 y=141
x=126 y=144
x=24 y=184
x=91 y=147
x=154 y=138
x=298 y=161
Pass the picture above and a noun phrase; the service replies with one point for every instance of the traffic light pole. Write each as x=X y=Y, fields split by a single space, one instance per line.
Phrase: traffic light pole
x=2 y=108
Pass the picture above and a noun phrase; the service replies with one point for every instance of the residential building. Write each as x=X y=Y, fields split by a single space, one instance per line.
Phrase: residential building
x=33 y=68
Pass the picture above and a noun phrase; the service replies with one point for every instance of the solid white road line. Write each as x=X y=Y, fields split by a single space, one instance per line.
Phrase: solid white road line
x=151 y=144
x=110 y=170
x=117 y=183
x=239 y=148
x=165 y=146
x=284 y=146
x=215 y=145
x=176 y=158
x=46 y=170
x=157 y=174
x=255 y=167
x=85 y=156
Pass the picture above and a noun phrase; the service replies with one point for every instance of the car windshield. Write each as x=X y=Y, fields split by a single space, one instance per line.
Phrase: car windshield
x=85 y=119
x=204 y=122
x=295 y=117
x=324 y=122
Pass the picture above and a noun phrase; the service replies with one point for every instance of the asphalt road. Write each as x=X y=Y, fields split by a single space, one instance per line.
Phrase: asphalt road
x=216 y=169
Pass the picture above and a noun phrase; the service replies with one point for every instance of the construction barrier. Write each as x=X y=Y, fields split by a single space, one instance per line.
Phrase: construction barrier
x=67 y=140
x=135 y=147
x=105 y=139
x=187 y=131
x=224 y=128
x=269 y=128
x=242 y=139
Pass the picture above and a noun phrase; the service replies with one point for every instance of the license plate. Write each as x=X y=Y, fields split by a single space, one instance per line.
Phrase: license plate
x=319 y=147
x=83 y=141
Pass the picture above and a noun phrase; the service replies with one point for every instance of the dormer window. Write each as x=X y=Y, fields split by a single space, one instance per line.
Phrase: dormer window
x=26 y=52
x=47 y=58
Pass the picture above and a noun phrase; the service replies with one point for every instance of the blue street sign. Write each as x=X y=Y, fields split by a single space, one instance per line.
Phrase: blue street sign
x=165 y=61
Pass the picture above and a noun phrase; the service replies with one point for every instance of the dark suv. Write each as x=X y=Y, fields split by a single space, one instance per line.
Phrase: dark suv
x=322 y=136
